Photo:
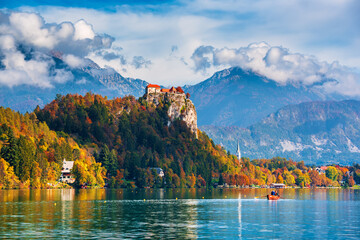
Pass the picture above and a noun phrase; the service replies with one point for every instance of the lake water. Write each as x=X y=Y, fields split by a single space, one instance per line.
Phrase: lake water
x=179 y=214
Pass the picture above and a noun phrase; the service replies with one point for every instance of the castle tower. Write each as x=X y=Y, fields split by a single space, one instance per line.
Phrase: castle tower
x=238 y=152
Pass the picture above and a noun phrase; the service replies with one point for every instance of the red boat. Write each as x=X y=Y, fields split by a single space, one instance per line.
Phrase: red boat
x=273 y=197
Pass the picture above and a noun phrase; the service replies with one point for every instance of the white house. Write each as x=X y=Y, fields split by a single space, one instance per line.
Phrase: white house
x=277 y=185
x=66 y=172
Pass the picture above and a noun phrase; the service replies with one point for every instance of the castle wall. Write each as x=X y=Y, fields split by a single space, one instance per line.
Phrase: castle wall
x=152 y=90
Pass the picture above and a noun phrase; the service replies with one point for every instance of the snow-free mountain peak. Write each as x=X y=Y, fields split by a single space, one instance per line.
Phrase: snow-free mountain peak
x=241 y=97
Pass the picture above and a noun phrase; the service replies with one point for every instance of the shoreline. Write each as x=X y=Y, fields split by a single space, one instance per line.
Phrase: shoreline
x=228 y=187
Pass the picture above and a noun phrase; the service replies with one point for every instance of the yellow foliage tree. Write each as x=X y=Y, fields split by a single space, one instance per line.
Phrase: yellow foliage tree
x=8 y=179
x=288 y=178
x=279 y=179
x=35 y=176
x=88 y=172
x=80 y=173
x=191 y=181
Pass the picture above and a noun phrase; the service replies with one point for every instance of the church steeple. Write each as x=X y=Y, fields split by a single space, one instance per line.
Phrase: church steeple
x=238 y=152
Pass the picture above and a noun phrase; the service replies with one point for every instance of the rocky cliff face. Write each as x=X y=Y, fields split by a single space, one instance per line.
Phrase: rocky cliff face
x=180 y=107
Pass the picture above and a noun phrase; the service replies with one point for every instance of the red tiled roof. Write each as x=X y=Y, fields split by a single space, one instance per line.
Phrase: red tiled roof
x=152 y=86
x=165 y=90
x=172 y=89
x=179 y=89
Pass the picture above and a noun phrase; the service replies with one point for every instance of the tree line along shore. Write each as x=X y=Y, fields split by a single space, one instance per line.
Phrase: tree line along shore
x=122 y=143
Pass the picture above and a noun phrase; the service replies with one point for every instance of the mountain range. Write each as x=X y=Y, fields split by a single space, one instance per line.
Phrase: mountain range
x=302 y=122
x=241 y=98
x=316 y=132
x=88 y=78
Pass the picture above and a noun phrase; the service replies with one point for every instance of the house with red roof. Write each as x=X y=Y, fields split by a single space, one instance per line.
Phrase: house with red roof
x=173 y=90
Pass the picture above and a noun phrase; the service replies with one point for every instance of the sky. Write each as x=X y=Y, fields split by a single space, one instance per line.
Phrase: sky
x=184 y=42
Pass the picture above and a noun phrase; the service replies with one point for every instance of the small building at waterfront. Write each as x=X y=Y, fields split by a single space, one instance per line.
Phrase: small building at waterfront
x=66 y=172
x=277 y=185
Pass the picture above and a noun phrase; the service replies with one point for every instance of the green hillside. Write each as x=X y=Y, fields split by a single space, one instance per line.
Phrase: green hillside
x=131 y=137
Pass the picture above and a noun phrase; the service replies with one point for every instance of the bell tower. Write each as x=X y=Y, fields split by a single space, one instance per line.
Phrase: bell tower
x=238 y=152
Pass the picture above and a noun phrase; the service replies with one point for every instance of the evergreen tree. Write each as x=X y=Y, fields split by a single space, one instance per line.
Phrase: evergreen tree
x=109 y=160
x=10 y=151
x=26 y=151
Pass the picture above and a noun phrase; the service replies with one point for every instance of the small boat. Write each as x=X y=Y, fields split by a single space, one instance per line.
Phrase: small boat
x=273 y=197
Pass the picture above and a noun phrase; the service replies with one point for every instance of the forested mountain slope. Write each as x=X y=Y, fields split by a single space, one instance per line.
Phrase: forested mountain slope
x=132 y=136
x=32 y=155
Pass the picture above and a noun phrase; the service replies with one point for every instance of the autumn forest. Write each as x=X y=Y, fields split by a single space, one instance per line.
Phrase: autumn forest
x=120 y=143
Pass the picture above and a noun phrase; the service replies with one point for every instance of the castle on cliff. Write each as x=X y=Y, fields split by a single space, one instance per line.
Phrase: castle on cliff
x=153 y=88
x=181 y=107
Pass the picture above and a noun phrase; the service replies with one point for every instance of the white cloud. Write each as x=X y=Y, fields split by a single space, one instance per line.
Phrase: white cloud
x=325 y=28
x=65 y=30
x=281 y=65
x=81 y=81
x=148 y=36
x=26 y=41
x=83 y=30
x=62 y=76
x=7 y=42
x=140 y=62
x=18 y=71
x=73 y=61
x=30 y=29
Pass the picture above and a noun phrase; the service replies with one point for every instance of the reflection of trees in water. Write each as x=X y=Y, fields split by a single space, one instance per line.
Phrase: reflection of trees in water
x=150 y=218
x=123 y=213
x=90 y=194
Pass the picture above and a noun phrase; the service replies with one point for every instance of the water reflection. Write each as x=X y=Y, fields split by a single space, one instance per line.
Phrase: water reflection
x=239 y=216
x=179 y=213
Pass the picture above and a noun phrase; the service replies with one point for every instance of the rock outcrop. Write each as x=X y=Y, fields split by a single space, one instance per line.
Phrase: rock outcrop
x=180 y=107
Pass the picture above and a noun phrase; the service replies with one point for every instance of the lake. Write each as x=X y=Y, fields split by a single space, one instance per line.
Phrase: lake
x=179 y=214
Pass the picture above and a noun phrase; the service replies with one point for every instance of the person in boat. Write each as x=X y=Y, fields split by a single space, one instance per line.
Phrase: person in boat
x=272 y=192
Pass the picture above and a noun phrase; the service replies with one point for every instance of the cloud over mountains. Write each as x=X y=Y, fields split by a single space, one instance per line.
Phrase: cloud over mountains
x=166 y=48
x=281 y=65
x=26 y=41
